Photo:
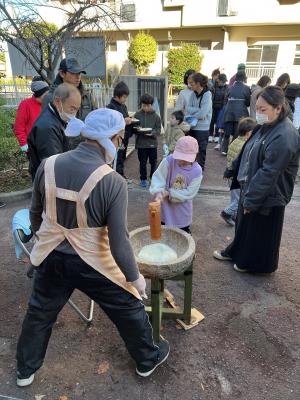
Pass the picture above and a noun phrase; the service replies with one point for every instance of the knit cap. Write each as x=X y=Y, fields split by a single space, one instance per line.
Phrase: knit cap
x=39 y=88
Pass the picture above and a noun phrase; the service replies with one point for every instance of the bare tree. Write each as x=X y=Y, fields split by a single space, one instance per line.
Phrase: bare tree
x=26 y=26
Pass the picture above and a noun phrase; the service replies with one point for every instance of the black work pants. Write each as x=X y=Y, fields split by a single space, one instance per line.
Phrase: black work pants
x=121 y=156
x=202 y=139
x=143 y=156
x=54 y=282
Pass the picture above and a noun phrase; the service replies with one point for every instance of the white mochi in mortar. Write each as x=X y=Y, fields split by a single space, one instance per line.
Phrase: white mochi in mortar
x=157 y=253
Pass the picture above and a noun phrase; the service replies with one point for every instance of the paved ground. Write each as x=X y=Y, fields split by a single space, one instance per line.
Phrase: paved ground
x=246 y=348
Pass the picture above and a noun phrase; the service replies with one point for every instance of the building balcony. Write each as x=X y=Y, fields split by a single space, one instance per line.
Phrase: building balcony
x=255 y=71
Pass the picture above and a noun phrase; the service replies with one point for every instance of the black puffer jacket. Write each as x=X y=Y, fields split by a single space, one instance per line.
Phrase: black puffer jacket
x=272 y=166
x=237 y=100
x=218 y=97
x=46 y=138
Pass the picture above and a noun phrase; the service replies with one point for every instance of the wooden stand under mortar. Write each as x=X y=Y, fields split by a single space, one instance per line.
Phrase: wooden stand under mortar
x=186 y=316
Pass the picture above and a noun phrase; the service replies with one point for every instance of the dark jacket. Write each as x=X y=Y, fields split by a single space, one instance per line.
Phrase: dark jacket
x=273 y=165
x=147 y=120
x=87 y=104
x=122 y=108
x=46 y=138
x=219 y=96
x=237 y=100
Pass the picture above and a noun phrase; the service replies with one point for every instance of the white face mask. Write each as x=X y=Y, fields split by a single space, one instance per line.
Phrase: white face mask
x=65 y=116
x=261 y=118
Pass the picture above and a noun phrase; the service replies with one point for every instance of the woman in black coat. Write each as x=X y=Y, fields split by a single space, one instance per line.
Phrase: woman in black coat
x=265 y=170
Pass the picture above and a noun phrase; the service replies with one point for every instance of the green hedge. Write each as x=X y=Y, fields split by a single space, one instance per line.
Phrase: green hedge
x=10 y=154
x=142 y=52
x=181 y=59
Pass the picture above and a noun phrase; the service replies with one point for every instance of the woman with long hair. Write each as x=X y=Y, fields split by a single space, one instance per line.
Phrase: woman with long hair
x=265 y=171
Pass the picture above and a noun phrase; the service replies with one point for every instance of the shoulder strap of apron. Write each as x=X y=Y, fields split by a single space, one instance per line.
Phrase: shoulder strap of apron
x=86 y=190
x=50 y=188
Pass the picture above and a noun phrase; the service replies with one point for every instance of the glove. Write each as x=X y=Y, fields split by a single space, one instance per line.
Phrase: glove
x=140 y=285
x=165 y=150
x=24 y=148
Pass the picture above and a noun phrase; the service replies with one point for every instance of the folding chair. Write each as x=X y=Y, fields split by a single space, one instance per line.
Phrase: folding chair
x=21 y=239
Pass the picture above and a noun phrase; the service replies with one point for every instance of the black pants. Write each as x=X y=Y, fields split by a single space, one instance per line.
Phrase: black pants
x=54 y=282
x=230 y=129
x=121 y=156
x=214 y=118
x=143 y=156
x=202 y=139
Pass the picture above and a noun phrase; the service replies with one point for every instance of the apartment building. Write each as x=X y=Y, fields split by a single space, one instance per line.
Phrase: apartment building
x=263 y=34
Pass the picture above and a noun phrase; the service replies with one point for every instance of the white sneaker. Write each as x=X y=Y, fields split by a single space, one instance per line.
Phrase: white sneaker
x=236 y=268
x=22 y=382
x=219 y=256
x=216 y=139
x=217 y=147
x=210 y=139
x=224 y=153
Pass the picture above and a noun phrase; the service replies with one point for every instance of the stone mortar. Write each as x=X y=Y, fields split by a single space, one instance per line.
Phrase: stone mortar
x=177 y=239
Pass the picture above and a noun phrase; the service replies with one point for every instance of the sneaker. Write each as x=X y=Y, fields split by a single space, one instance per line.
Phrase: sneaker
x=216 y=139
x=220 y=255
x=210 y=139
x=144 y=184
x=2 y=204
x=217 y=147
x=227 y=218
x=236 y=268
x=223 y=153
x=164 y=350
x=22 y=382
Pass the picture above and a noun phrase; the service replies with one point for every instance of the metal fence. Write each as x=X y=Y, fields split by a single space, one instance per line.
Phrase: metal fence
x=254 y=72
x=13 y=94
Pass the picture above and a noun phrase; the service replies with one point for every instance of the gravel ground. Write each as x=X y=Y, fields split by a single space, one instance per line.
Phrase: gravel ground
x=246 y=348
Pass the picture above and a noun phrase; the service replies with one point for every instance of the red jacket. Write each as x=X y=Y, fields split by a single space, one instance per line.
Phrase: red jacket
x=27 y=113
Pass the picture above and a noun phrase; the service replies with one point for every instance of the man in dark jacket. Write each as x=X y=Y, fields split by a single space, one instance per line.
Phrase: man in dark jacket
x=70 y=72
x=47 y=135
x=120 y=95
x=237 y=100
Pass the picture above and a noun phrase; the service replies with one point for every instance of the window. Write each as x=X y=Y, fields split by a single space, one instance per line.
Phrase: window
x=297 y=55
x=163 y=46
x=112 y=46
x=262 y=54
x=222 y=8
x=128 y=12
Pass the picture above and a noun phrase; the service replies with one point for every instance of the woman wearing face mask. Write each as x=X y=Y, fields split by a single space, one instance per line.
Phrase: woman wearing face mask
x=185 y=94
x=265 y=171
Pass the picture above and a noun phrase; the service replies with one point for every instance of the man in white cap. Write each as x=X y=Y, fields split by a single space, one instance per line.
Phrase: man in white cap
x=80 y=220
x=28 y=111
